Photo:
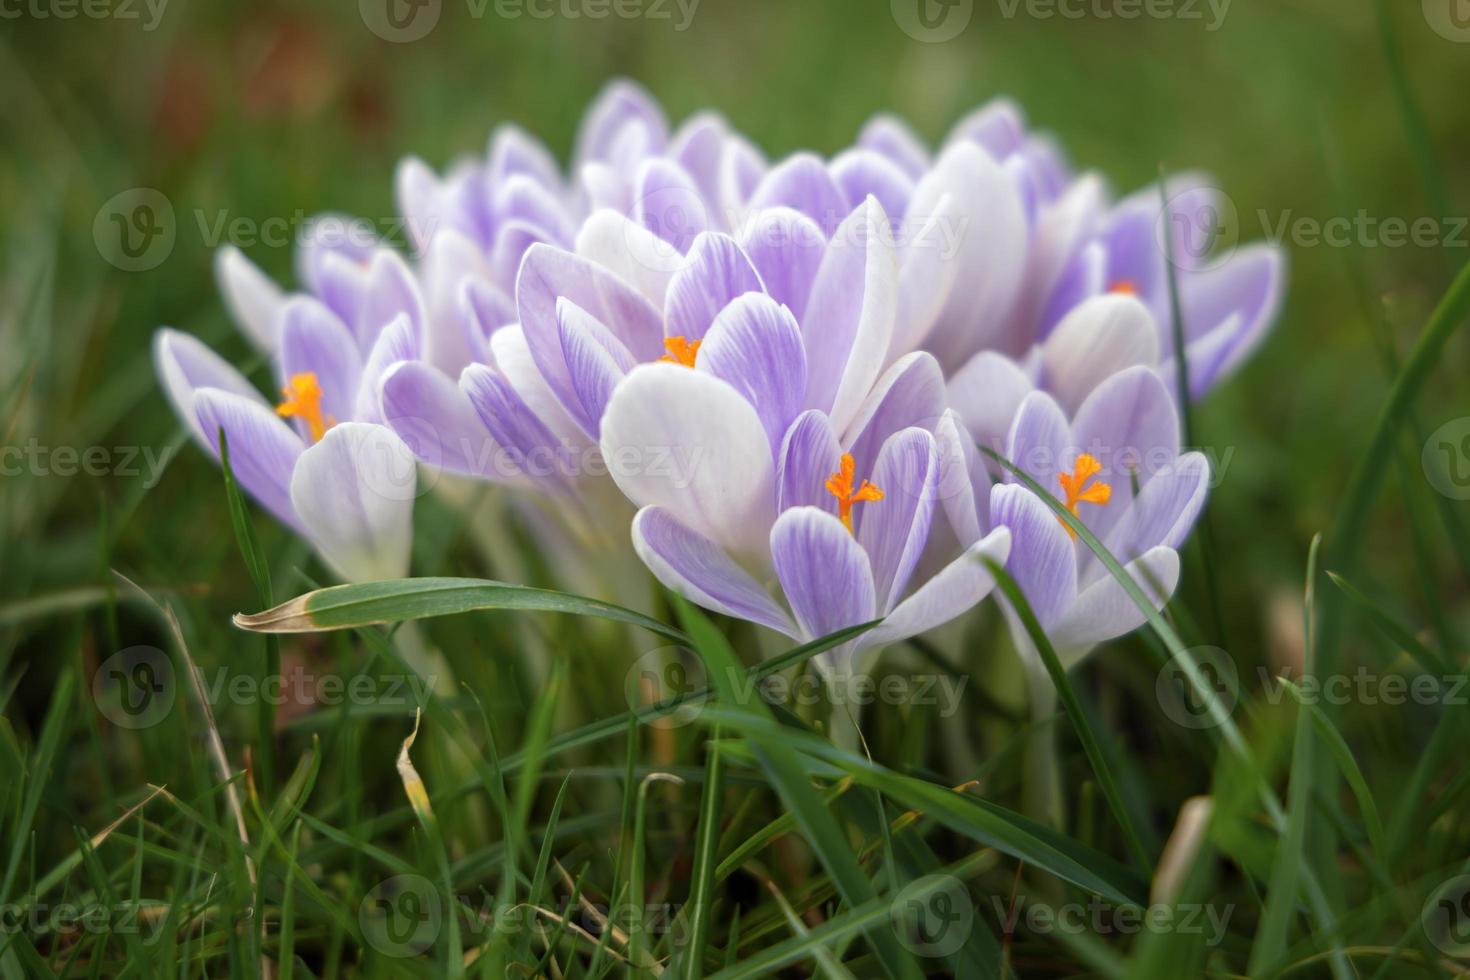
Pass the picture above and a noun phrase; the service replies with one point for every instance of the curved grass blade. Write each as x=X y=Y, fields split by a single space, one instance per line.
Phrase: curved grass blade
x=399 y=600
x=1396 y=633
x=1106 y=781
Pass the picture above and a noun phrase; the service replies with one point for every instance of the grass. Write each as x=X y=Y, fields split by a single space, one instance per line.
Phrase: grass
x=597 y=793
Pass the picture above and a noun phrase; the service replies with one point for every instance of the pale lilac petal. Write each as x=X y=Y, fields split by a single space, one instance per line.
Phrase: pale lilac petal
x=632 y=252
x=354 y=493
x=398 y=342
x=1249 y=285
x=989 y=253
x=1095 y=341
x=1131 y=426
x=435 y=418
x=954 y=590
x=910 y=393
x=861 y=174
x=603 y=188
x=622 y=106
x=696 y=568
x=390 y=290
x=823 y=571
x=513 y=151
x=526 y=200
x=668 y=203
x=741 y=172
x=699 y=147
x=511 y=355
x=803 y=183
x=449 y=263
x=1164 y=512
x=810 y=453
x=893 y=530
x=755 y=345
x=928 y=274
x=419 y=197
x=481 y=309
x=263 y=449
x=184 y=365
x=313 y=340
x=892 y=137
x=786 y=248
x=342 y=285
x=1043 y=560
x=1060 y=234
x=254 y=301
x=548 y=274
x=1104 y=610
x=690 y=443
x=1040 y=442
x=998 y=126
x=849 y=321
x=964 y=482
x=596 y=362
x=513 y=240
x=987 y=392
x=716 y=273
x=1084 y=277
x=528 y=443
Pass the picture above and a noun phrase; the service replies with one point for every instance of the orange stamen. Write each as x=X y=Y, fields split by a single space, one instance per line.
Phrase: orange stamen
x=1074 y=485
x=680 y=351
x=303 y=396
x=839 y=485
x=1124 y=287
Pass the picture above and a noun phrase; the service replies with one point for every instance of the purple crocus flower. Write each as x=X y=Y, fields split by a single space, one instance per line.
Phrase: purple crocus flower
x=315 y=458
x=1061 y=242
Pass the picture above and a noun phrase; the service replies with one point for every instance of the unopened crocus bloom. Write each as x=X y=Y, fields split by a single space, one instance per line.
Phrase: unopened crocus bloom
x=1074 y=245
x=313 y=455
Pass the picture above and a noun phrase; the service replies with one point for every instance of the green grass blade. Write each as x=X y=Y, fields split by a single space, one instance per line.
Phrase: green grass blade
x=702 y=883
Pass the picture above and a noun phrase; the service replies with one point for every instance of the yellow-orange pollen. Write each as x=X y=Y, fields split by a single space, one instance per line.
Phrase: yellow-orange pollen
x=303 y=396
x=680 y=351
x=1075 y=486
x=839 y=485
x=1124 y=287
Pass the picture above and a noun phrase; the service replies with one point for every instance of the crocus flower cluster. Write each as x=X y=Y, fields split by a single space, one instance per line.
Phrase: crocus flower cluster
x=774 y=380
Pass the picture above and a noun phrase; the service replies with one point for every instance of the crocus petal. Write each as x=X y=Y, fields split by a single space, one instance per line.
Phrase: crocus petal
x=696 y=568
x=548 y=274
x=622 y=105
x=954 y=590
x=514 y=151
x=1043 y=561
x=450 y=261
x=741 y=171
x=1040 y=441
x=313 y=340
x=667 y=202
x=892 y=137
x=810 y=454
x=184 y=365
x=699 y=147
x=633 y=253
x=253 y=300
x=263 y=449
x=964 y=483
x=1131 y=426
x=512 y=356
x=989 y=256
x=849 y=321
x=513 y=239
x=527 y=200
x=927 y=275
x=528 y=443
x=1104 y=610
x=1095 y=341
x=755 y=345
x=342 y=285
x=1249 y=285
x=998 y=126
x=398 y=342
x=435 y=418
x=1163 y=513
x=596 y=362
x=893 y=530
x=1059 y=236
x=716 y=272
x=864 y=173
x=910 y=393
x=803 y=183
x=481 y=309
x=390 y=290
x=987 y=392
x=417 y=192
x=690 y=443
x=354 y=493
x=823 y=571
x=786 y=248
x=1083 y=278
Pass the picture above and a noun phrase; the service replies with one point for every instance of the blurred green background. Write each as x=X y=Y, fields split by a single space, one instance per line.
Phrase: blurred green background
x=275 y=111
